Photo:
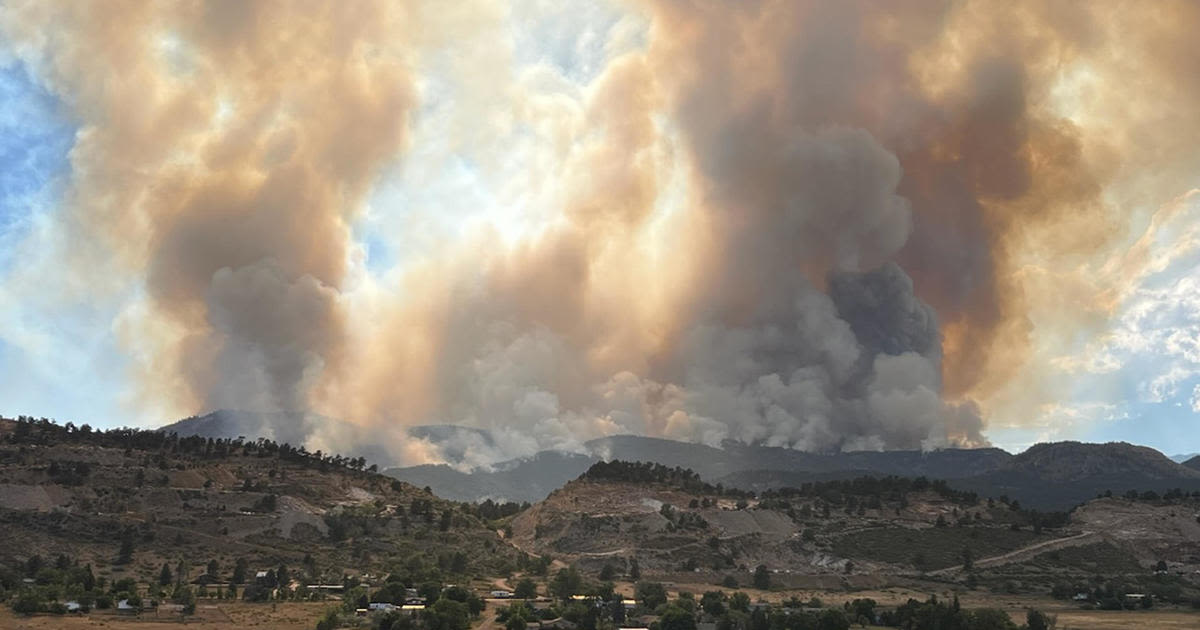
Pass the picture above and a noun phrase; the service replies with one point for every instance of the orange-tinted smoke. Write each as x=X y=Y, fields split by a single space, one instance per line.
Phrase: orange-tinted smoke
x=224 y=149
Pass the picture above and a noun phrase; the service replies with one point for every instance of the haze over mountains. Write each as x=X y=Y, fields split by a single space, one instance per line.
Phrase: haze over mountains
x=1052 y=476
x=1046 y=476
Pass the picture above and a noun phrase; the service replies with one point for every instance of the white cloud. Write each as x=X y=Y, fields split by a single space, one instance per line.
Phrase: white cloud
x=1153 y=342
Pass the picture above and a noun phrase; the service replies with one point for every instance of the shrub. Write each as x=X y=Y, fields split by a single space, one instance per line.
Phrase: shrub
x=762 y=578
x=27 y=604
x=650 y=594
x=329 y=620
x=526 y=589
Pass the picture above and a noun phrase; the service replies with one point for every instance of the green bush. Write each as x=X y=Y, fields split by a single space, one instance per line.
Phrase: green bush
x=27 y=604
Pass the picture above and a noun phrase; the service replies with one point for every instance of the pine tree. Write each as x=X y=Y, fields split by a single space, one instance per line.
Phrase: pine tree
x=89 y=578
x=283 y=576
x=164 y=576
x=762 y=578
x=310 y=565
x=239 y=572
x=125 y=555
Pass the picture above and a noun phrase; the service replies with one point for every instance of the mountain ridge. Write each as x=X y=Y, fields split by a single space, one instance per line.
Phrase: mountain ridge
x=1051 y=476
x=1055 y=475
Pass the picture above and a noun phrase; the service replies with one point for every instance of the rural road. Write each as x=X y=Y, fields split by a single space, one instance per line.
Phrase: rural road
x=1025 y=552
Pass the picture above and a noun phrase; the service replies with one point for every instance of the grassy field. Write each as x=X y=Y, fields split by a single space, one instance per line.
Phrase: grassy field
x=1071 y=617
x=940 y=546
x=1100 y=558
x=1108 y=620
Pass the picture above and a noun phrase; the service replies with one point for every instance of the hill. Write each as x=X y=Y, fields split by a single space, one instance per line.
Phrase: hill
x=1074 y=461
x=525 y=480
x=1054 y=476
x=1193 y=463
x=125 y=502
x=1047 y=476
x=290 y=427
x=747 y=466
x=671 y=521
x=283 y=427
x=1062 y=474
x=663 y=523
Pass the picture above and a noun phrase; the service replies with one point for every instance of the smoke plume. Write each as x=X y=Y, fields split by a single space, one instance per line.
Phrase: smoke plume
x=802 y=224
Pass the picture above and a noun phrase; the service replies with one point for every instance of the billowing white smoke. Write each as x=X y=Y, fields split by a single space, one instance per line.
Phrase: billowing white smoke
x=731 y=203
x=765 y=357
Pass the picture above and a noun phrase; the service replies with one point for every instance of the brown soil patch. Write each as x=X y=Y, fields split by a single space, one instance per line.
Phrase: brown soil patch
x=233 y=616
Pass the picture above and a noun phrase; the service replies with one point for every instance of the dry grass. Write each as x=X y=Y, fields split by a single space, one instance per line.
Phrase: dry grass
x=1114 y=620
x=1069 y=617
x=303 y=616
x=231 y=616
x=939 y=546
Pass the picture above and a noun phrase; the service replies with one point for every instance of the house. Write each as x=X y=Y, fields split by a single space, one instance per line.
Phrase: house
x=413 y=608
x=384 y=606
x=588 y=599
x=73 y=606
x=501 y=594
x=124 y=606
x=1081 y=597
x=261 y=575
x=629 y=604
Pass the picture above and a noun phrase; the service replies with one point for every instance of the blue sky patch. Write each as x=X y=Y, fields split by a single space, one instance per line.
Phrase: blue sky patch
x=35 y=140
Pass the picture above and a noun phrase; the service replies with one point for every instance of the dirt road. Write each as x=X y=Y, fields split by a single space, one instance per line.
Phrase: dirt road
x=1024 y=553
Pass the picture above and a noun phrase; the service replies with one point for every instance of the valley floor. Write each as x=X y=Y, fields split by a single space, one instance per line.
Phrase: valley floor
x=224 y=616
x=303 y=616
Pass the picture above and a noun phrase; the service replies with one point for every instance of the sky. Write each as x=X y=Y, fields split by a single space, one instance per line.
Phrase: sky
x=850 y=226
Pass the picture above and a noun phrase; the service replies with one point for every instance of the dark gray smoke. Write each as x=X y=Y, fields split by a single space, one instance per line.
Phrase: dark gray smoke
x=856 y=369
x=884 y=313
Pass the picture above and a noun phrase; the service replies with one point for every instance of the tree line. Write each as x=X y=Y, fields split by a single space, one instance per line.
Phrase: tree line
x=46 y=432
